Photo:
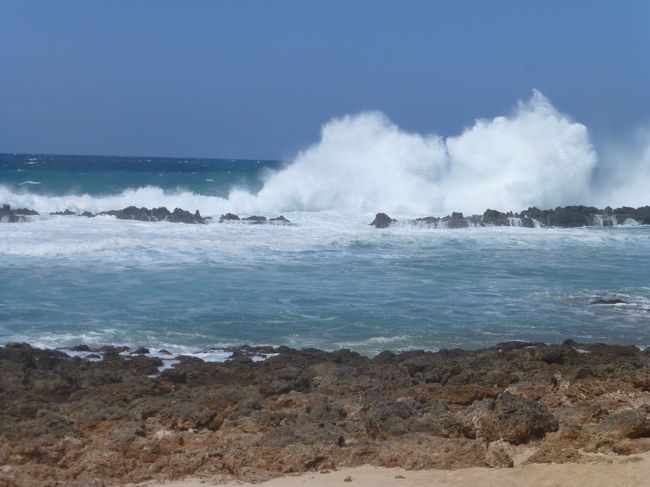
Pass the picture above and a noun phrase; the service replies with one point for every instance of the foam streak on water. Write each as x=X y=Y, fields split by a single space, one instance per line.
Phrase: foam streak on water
x=327 y=282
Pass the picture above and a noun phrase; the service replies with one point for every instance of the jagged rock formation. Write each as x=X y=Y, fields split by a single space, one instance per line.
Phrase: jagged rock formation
x=118 y=419
x=156 y=215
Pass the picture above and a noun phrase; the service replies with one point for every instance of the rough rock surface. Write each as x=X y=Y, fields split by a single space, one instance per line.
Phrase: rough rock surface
x=115 y=420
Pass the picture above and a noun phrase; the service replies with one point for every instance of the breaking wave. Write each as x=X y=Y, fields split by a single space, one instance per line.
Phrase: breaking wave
x=534 y=156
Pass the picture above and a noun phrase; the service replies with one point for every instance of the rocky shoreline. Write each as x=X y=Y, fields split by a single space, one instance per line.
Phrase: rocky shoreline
x=113 y=416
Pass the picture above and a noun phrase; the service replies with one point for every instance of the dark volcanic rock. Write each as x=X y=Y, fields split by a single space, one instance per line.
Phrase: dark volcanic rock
x=229 y=217
x=16 y=215
x=640 y=215
x=456 y=220
x=183 y=216
x=382 y=220
x=493 y=217
x=156 y=215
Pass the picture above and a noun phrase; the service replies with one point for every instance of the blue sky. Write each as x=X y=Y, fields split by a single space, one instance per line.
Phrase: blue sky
x=257 y=79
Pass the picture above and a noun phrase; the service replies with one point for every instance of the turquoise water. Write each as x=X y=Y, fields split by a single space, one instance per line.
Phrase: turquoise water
x=328 y=281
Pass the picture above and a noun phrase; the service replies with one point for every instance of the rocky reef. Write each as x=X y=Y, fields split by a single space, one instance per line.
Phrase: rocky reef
x=253 y=219
x=113 y=417
x=562 y=216
x=17 y=215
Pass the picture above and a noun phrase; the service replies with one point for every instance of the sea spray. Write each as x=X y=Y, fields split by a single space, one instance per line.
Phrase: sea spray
x=364 y=163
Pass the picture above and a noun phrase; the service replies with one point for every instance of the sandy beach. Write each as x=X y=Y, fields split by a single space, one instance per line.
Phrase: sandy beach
x=622 y=472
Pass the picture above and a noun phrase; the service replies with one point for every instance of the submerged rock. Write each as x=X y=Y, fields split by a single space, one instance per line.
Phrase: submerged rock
x=255 y=219
x=609 y=301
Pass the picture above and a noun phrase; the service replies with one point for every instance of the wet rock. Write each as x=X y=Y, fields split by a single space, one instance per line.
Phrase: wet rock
x=382 y=220
x=493 y=217
x=184 y=216
x=140 y=351
x=640 y=215
x=16 y=215
x=228 y=217
x=280 y=220
x=64 y=213
x=156 y=215
x=255 y=220
x=456 y=220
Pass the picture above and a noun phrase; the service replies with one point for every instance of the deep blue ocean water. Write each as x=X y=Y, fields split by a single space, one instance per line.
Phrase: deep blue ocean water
x=328 y=281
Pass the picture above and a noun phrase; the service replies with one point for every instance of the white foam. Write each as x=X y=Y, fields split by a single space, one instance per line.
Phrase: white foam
x=534 y=156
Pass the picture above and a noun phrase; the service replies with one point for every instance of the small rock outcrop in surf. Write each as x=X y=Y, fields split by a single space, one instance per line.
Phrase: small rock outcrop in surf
x=382 y=220
x=16 y=215
x=157 y=214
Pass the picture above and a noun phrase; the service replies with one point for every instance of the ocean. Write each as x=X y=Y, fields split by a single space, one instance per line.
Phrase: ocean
x=329 y=280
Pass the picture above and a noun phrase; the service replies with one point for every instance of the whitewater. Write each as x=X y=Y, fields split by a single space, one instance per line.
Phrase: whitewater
x=330 y=280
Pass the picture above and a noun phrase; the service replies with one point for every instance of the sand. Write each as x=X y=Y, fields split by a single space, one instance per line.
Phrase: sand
x=621 y=472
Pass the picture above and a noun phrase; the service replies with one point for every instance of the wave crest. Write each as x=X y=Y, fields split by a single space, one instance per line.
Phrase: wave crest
x=535 y=156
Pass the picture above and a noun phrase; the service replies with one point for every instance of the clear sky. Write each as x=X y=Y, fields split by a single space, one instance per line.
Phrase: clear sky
x=257 y=79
